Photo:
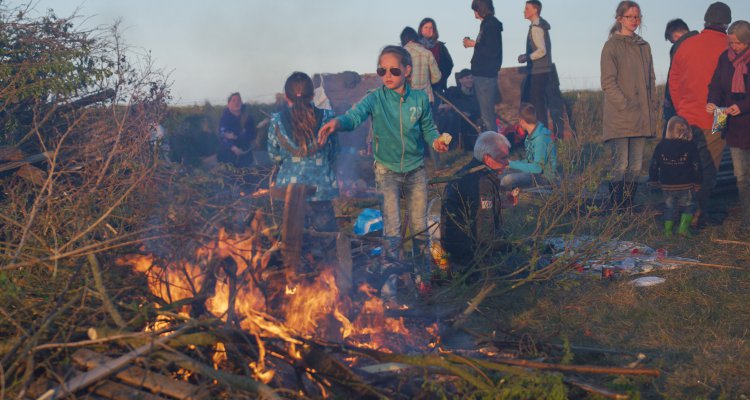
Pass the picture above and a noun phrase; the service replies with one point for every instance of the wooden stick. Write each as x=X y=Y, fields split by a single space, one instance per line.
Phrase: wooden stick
x=291 y=229
x=699 y=264
x=139 y=377
x=583 y=369
x=344 y=266
x=473 y=304
x=99 y=283
x=594 y=389
x=105 y=370
x=236 y=381
x=457 y=110
x=730 y=242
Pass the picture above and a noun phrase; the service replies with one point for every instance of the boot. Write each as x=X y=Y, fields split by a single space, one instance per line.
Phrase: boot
x=615 y=194
x=684 y=228
x=668 y=227
x=420 y=257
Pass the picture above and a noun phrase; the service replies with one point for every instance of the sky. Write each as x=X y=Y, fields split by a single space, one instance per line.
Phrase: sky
x=211 y=49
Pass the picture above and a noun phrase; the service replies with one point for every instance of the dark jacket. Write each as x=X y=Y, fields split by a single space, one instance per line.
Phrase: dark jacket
x=245 y=133
x=471 y=213
x=488 y=50
x=444 y=61
x=720 y=93
x=467 y=103
x=676 y=165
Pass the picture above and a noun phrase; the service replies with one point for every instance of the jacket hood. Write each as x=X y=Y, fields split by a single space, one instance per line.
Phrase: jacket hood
x=544 y=24
x=539 y=131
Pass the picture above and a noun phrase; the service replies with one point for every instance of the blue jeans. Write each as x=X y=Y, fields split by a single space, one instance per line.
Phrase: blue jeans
x=413 y=185
x=487 y=95
x=674 y=199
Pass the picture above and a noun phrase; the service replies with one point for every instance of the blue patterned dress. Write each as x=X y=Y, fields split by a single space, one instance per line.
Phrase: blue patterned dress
x=314 y=169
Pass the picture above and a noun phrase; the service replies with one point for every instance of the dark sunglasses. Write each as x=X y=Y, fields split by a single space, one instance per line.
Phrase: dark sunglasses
x=394 y=71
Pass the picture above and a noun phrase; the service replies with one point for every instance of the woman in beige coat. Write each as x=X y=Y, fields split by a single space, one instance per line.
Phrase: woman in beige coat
x=628 y=82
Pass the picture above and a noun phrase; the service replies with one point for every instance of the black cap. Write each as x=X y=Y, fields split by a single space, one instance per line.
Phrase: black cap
x=718 y=13
x=463 y=73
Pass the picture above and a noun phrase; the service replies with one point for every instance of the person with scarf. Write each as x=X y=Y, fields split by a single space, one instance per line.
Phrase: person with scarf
x=428 y=37
x=729 y=88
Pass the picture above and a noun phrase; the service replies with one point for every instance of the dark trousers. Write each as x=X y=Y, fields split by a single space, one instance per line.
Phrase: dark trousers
x=709 y=168
x=556 y=104
x=535 y=92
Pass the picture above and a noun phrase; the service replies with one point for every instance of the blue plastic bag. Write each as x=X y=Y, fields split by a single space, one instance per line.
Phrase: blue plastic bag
x=369 y=220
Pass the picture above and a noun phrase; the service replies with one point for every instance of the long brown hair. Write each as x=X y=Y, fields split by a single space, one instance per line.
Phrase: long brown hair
x=300 y=115
x=622 y=8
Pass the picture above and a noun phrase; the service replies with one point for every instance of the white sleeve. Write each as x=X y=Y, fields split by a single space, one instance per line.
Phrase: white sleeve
x=537 y=36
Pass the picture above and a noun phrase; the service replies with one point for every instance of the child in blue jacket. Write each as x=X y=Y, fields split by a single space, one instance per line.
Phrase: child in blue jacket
x=540 y=166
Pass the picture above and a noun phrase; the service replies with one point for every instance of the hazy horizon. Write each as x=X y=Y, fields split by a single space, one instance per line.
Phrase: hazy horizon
x=211 y=50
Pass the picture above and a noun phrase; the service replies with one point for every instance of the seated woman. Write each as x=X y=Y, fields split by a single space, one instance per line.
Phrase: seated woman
x=236 y=134
x=293 y=146
x=540 y=166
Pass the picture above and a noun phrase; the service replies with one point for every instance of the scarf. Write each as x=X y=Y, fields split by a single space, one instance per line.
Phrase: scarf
x=739 y=61
x=427 y=42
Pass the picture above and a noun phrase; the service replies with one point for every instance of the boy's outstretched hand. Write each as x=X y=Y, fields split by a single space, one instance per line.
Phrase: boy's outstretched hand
x=326 y=130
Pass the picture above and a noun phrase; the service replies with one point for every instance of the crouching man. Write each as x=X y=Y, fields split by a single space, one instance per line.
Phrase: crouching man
x=471 y=219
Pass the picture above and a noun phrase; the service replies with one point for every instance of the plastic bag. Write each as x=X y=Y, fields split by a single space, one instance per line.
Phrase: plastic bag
x=720 y=120
x=647 y=281
x=320 y=98
x=369 y=220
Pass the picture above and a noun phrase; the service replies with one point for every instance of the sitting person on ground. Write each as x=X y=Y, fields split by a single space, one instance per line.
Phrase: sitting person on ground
x=471 y=219
x=676 y=168
x=463 y=98
x=540 y=165
x=236 y=134
x=293 y=146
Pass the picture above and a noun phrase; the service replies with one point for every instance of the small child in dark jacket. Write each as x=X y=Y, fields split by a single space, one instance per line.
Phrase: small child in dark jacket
x=676 y=169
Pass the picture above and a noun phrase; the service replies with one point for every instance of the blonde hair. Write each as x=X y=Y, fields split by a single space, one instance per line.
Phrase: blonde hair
x=678 y=128
x=622 y=8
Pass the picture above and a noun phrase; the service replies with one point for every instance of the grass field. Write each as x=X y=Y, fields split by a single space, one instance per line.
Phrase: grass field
x=694 y=327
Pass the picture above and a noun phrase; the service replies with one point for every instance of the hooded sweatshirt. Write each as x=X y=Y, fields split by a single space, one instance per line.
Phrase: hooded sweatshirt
x=539 y=63
x=541 y=154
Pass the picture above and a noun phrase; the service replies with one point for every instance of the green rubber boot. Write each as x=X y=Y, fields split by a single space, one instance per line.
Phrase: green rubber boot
x=684 y=228
x=668 y=226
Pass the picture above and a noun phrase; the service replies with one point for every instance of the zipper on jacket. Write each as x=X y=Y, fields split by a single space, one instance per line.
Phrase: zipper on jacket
x=401 y=128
